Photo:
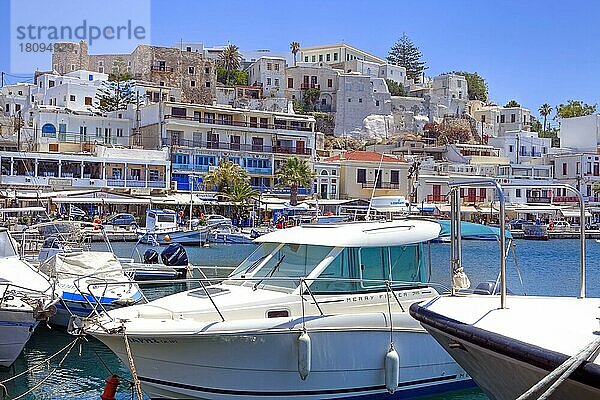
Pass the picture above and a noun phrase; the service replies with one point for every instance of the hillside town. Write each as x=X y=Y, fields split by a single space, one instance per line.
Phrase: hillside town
x=120 y=129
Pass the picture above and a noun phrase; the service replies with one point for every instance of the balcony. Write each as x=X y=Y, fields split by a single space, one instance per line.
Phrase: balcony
x=190 y=167
x=565 y=199
x=157 y=184
x=380 y=185
x=160 y=68
x=305 y=86
x=226 y=122
x=539 y=200
x=292 y=150
x=473 y=199
x=437 y=198
x=259 y=171
x=115 y=182
x=217 y=145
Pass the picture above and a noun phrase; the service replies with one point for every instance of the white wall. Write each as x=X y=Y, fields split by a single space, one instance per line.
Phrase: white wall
x=580 y=133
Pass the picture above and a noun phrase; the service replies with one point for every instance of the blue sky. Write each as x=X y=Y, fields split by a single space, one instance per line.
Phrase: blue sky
x=532 y=51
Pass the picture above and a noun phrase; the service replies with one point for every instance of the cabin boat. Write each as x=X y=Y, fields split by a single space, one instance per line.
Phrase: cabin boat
x=162 y=228
x=27 y=298
x=227 y=233
x=314 y=312
x=547 y=347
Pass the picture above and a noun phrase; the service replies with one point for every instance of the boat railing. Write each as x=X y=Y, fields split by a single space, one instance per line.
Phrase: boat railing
x=390 y=286
x=23 y=291
x=455 y=229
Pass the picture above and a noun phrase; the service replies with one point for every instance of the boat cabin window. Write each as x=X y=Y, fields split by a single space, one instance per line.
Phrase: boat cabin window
x=7 y=248
x=374 y=265
x=289 y=261
x=166 y=218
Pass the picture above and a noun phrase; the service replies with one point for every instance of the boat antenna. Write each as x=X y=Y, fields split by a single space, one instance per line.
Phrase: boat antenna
x=374 y=187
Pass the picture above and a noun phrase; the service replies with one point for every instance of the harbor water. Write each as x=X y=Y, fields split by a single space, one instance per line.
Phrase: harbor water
x=544 y=268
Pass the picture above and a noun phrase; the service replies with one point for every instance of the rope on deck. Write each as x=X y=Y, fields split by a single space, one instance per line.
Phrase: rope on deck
x=562 y=372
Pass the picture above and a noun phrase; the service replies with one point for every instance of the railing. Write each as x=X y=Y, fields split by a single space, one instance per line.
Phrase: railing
x=115 y=182
x=380 y=185
x=437 y=198
x=237 y=146
x=473 y=199
x=226 y=122
x=157 y=184
x=565 y=199
x=257 y=170
x=305 y=86
x=539 y=199
x=190 y=167
x=81 y=138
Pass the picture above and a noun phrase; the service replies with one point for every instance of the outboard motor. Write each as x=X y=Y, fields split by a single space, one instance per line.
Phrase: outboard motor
x=174 y=255
x=151 y=256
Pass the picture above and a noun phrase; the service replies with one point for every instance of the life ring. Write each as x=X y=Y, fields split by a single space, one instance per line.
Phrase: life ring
x=551 y=225
x=180 y=213
x=97 y=222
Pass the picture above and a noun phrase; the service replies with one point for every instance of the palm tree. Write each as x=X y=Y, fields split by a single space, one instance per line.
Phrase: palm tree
x=295 y=173
x=545 y=110
x=240 y=193
x=295 y=46
x=226 y=176
x=230 y=59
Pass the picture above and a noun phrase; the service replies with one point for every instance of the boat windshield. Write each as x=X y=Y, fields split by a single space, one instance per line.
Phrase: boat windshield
x=365 y=269
x=286 y=262
x=7 y=248
x=253 y=261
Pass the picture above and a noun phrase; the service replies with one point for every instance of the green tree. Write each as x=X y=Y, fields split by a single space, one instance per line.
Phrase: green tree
x=231 y=60
x=536 y=125
x=476 y=86
x=545 y=110
x=574 y=108
x=310 y=97
x=395 y=88
x=226 y=176
x=512 y=103
x=406 y=54
x=295 y=47
x=116 y=93
x=295 y=172
x=241 y=193
x=551 y=133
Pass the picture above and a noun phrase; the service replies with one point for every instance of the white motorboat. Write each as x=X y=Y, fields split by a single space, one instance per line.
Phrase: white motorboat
x=162 y=228
x=90 y=281
x=311 y=314
x=27 y=297
x=513 y=346
x=227 y=233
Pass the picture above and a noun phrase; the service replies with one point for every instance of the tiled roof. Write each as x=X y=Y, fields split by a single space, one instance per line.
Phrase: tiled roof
x=363 y=156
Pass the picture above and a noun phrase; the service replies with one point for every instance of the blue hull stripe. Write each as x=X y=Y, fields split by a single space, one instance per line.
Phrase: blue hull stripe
x=69 y=296
x=11 y=323
x=401 y=393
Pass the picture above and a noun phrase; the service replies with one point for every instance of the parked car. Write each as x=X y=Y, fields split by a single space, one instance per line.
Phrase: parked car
x=518 y=224
x=559 y=225
x=122 y=219
x=593 y=226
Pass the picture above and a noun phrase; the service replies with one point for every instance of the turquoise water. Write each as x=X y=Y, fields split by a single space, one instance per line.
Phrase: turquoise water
x=546 y=268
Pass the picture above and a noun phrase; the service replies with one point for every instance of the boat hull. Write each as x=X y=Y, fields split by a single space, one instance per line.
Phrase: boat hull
x=16 y=327
x=258 y=365
x=190 y=238
x=505 y=368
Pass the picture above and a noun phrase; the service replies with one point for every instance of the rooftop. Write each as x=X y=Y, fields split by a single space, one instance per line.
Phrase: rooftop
x=364 y=156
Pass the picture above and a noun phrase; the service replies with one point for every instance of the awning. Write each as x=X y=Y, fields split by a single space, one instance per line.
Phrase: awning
x=100 y=200
x=574 y=213
x=533 y=208
x=445 y=208
x=22 y=209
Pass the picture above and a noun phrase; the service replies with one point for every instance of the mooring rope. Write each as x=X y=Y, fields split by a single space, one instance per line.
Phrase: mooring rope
x=136 y=381
x=69 y=347
x=563 y=371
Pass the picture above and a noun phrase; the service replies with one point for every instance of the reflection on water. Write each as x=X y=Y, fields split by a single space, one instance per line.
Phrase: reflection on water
x=546 y=268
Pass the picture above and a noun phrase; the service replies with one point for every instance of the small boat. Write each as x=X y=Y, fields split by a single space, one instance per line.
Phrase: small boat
x=227 y=233
x=518 y=347
x=90 y=281
x=28 y=297
x=162 y=228
x=317 y=311
x=535 y=232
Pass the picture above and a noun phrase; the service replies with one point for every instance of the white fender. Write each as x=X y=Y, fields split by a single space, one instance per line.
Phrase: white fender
x=304 y=359
x=392 y=370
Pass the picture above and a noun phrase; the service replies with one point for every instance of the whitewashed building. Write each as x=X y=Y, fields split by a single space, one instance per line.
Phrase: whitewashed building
x=580 y=133
x=521 y=146
x=269 y=73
